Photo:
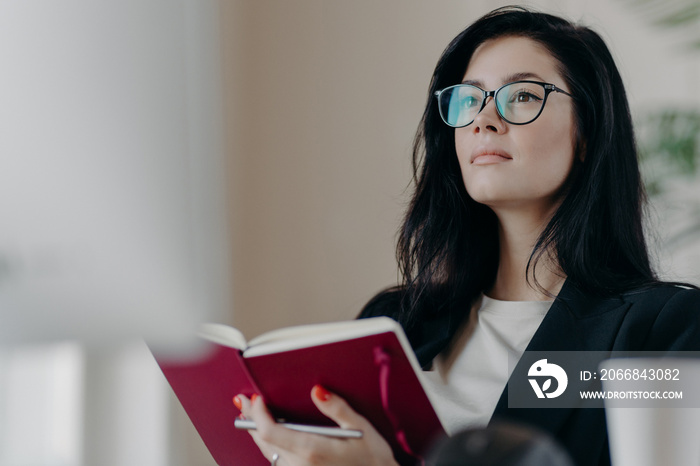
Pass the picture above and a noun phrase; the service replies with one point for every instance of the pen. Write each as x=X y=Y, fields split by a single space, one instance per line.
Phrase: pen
x=338 y=432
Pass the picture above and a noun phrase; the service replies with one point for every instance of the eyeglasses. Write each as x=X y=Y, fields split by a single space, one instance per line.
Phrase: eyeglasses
x=518 y=103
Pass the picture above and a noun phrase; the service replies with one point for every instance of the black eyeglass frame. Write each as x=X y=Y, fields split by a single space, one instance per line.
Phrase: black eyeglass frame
x=548 y=89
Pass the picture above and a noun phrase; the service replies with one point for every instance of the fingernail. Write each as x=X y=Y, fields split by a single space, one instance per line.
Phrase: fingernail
x=321 y=393
x=254 y=397
x=237 y=402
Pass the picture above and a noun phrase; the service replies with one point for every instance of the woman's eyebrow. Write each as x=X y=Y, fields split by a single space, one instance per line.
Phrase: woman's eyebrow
x=508 y=79
x=521 y=76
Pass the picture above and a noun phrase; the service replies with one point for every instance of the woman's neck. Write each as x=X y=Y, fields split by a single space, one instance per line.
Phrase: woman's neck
x=517 y=234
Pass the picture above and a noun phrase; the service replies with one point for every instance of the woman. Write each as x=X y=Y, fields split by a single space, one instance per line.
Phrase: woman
x=525 y=231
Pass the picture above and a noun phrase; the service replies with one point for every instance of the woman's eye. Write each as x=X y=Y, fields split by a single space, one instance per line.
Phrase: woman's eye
x=525 y=98
x=470 y=102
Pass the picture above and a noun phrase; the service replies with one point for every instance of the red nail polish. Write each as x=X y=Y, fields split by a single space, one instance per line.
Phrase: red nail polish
x=237 y=402
x=321 y=393
x=254 y=397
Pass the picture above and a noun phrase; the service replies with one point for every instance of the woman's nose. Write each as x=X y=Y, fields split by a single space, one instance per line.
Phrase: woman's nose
x=488 y=118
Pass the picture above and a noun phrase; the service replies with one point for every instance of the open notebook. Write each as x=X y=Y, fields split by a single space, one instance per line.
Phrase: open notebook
x=368 y=362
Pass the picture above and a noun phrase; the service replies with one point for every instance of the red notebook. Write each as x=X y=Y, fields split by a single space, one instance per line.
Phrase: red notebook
x=368 y=362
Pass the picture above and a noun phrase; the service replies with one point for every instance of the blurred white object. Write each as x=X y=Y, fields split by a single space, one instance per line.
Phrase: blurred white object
x=40 y=405
x=654 y=435
x=112 y=194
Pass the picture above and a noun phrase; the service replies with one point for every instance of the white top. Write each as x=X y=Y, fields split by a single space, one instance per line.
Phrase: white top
x=468 y=378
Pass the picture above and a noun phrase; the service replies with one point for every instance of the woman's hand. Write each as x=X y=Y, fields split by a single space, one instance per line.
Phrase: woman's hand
x=302 y=449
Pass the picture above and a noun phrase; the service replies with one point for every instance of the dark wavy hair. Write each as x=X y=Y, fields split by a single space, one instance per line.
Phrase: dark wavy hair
x=448 y=244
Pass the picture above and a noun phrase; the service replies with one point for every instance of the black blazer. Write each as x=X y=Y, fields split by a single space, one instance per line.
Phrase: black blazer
x=663 y=318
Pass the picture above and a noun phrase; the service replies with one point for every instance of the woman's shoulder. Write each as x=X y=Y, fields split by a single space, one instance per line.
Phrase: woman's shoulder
x=674 y=313
x=668 y=295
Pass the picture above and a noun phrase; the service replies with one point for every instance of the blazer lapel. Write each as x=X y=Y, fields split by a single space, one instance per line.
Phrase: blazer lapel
x=575 y=322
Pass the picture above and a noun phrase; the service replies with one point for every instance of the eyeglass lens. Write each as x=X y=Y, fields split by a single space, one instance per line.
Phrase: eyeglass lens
x=518 y=103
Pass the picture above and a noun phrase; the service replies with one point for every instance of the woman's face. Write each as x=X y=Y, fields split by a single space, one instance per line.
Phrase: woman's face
x=511 y=166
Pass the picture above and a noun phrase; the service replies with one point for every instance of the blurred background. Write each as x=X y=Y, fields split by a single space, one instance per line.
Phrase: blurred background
x=278 y=139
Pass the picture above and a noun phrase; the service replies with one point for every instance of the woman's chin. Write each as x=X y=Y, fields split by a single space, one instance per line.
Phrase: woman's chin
x=490 y=198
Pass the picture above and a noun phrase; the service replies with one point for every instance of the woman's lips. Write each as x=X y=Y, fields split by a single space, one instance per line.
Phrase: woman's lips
x=486 y=155
x=486 y=159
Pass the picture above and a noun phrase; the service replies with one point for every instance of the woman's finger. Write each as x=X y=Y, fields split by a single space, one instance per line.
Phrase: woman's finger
x=266 y=448
x=336 y=408
x=297 y=448
x=272 y=437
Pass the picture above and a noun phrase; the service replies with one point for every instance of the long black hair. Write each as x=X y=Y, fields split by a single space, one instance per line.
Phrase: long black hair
x=448 y=244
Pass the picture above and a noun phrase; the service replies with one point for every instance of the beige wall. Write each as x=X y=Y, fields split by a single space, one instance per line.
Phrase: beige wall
x=323 y=98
